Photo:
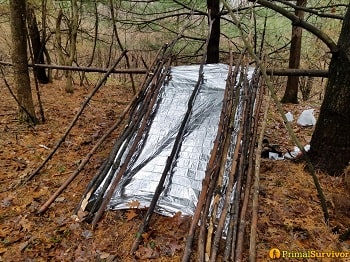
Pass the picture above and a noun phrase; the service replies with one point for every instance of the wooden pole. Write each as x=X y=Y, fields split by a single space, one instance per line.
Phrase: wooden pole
x=85 y=69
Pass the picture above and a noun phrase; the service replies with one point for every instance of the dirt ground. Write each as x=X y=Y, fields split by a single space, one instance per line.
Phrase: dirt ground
x=290 y=216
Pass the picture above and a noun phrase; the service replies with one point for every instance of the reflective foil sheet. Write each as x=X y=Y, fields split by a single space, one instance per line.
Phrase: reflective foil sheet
x=184 y=183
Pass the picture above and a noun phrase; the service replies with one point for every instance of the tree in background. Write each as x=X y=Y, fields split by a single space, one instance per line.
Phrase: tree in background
x=26 y=110
x=214 y=41
x=330 y=143
x=170 y=17
x=37 y=44
x=68 y=55
x=291 y=92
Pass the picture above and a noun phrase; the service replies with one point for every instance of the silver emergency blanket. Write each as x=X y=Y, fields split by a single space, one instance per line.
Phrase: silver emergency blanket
x=183 y=185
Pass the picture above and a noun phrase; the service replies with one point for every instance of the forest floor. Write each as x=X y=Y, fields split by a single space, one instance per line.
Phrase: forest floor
x=290 y=216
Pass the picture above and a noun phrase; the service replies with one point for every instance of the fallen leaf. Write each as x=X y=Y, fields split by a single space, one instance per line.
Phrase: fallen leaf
x=146 y=235
x=26 y=224
x=81 y=215
x=104 y=255
x=130 y=214
x=134 y=204
x=6 y=202
x=174 y=246
x=5 y=231
x=177 y=218
x=42 y=192
x=147 y=253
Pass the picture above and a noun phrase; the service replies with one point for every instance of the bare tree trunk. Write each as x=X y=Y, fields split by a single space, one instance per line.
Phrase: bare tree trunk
x=291 y=92
x=74 y=24
x=67 y=59
x=330 y=143
x=214 y=41
x=37 y=45
x=123 y=48
x=58 y=39
x=19 y=58
x=92 y=57
x=43 y=36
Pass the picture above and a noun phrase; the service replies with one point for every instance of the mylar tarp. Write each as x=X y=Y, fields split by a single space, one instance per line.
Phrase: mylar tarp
x=184 y=183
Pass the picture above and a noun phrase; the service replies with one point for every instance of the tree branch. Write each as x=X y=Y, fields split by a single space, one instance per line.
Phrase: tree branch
x=311 y=11
x=296 y=21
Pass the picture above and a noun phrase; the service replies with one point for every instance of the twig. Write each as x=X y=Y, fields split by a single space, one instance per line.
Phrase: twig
x=99 y=84
x=228 y=195
x=296 y=72
x=88 y=156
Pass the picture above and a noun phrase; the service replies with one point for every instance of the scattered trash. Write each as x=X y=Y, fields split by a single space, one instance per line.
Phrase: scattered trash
x=60 y=199
x=271 y=151
x=289 y=117
x=296 y=153
x=45 y=147
x=307 y=118
x=275 y=156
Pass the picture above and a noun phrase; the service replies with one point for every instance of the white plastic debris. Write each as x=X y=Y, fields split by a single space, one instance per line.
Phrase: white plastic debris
x=296 y=152
x=307 y=118
x=275 y=156
x=289 y=117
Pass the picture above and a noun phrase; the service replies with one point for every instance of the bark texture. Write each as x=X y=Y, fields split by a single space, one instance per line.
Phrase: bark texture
x=291 y=92
x=214 y=41
x=330 y=143
x=19 y=58
x=37 y=44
